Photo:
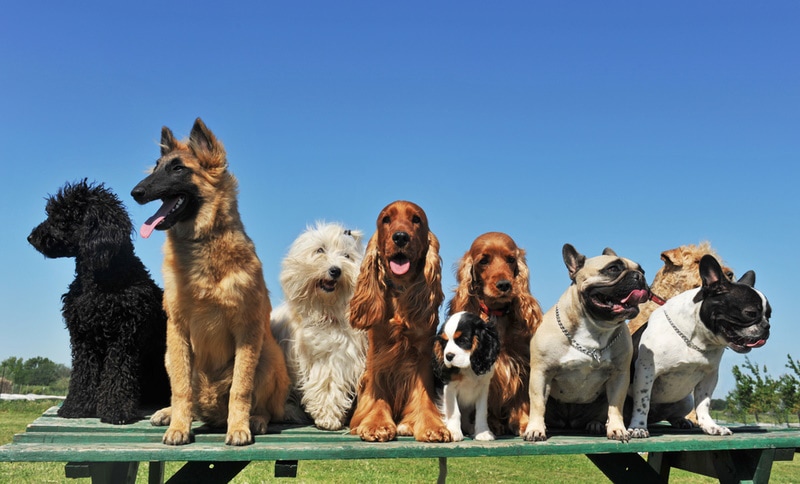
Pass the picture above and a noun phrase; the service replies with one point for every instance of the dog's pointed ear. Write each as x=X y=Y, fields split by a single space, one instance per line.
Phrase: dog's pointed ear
x=464 y=297
x=609 y=251
x=168 y=141
x=748 y=278
x=368 y=305
x=206 y=147
x=714 y=280
x=573 y=259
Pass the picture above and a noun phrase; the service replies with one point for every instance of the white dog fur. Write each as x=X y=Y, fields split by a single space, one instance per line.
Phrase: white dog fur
x=324 y=354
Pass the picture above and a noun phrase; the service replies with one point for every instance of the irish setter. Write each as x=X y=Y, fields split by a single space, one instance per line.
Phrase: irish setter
x=397 y=298
x=493 y=282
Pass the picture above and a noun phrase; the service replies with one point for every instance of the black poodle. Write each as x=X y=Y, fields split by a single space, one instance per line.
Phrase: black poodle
x=113 y=309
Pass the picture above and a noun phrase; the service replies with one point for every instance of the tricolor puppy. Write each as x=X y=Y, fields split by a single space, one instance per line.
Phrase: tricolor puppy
x=465 y=351
x=680 y=348
x=581 y=353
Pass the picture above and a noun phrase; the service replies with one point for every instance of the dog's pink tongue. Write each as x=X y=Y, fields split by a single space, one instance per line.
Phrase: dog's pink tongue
x=757 y=344
x=151 y=223
x=637 y=296
x=399 y=268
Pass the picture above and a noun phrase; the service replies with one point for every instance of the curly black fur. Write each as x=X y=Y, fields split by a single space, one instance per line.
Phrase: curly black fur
x=112 y=310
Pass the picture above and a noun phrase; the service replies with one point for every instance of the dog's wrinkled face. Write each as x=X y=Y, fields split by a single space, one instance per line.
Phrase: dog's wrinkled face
x=733 y=310
x=495 y=258
x=323 y=262
x=178 y=176
x=403 y=239
x=610 y=287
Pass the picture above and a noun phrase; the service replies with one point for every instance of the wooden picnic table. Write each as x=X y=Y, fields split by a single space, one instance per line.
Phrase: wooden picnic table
x=112 y=453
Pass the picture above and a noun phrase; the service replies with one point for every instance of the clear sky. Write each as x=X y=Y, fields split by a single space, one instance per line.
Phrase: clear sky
x=636 y=125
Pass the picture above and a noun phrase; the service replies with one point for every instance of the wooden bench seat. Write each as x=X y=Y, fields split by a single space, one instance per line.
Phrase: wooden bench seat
x=110 y=453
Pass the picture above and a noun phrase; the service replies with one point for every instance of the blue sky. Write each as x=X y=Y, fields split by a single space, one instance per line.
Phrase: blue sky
x=636 y=125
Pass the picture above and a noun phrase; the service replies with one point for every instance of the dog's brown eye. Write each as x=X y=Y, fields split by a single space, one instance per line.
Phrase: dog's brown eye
x=415 y=219
x=386 y=220
x=511 y=260
x=320 y=250
x=484 y=260
x=729 y=275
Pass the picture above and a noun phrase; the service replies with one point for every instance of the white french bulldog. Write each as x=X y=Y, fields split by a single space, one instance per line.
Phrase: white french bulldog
x=680 y=347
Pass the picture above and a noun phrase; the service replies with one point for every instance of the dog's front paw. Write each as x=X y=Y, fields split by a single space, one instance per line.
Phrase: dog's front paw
x=534 y=434
x=639 y=433
x=435 y=434
x=162 y=417
x=619 y=434
x=484 y=436
x=717 y=430
x=455 y=432
x=682 y=423
x=121 y=418
x=596 y=428
x=238 y=437
x=258 y=424
x=377 y=433
x=176 y=437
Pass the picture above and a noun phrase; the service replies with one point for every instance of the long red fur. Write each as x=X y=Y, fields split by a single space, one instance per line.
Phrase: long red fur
x=493 y=257
x=400 y=314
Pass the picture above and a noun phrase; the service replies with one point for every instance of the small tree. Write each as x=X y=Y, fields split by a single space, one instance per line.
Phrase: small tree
x=789 y=387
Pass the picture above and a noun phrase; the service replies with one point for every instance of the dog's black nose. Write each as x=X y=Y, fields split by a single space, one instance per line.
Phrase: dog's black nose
x=401 y=239
x=137 y=193
x=503 y=285
x=449 y=356
x=334 y=272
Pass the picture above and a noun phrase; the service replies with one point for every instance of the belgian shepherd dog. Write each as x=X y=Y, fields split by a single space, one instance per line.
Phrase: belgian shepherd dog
x=224 y=365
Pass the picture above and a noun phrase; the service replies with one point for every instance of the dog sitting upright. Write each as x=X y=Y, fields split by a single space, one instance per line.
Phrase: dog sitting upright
x=325 y=355
x=225 y=367
x=680 y=348
x=465 y=352
x=113 y=312
x=581 y=353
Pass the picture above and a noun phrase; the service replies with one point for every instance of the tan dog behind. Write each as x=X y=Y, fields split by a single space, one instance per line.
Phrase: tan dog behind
x=679 y=273
x=493 y=281
x=224 y=365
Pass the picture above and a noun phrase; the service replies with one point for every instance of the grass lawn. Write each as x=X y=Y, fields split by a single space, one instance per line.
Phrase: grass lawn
x=15 y=415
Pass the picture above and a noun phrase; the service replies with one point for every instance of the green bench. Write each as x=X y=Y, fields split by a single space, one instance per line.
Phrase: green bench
x=109 y=453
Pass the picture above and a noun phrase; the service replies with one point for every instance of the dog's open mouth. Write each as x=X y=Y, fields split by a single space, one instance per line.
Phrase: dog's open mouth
x=399 y=264
x=169 y=207
x=744 y=346
x=612 y=304
x=327 y=285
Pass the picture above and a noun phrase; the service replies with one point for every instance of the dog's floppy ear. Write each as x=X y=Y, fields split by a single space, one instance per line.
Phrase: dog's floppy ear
x=368 y=305
x=105 y=230
x=439 y=370
x=573 y=259
x=529 y=309
x=464 y=297
x=433 y=273
x=488 y=347
x=168 y=141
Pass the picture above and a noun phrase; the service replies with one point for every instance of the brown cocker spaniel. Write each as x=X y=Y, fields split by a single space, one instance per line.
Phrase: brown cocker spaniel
x=492 y=281
x=397 y=298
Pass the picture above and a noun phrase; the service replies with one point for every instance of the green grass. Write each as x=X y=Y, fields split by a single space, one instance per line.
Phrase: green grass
x=573 y=469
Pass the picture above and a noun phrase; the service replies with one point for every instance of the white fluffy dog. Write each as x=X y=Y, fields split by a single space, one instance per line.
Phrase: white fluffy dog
x=325 y=355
